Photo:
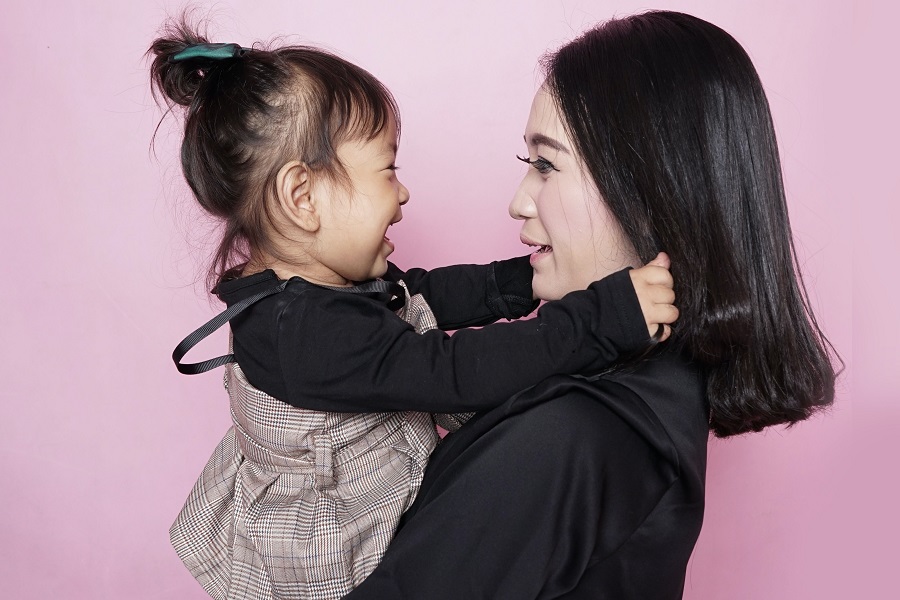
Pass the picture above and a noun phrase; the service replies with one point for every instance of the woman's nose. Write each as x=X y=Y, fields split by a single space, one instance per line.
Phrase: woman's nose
x=522 y=205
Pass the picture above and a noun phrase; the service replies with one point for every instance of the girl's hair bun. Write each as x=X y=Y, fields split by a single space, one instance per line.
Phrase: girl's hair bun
x=178 y=80
x=250 y=111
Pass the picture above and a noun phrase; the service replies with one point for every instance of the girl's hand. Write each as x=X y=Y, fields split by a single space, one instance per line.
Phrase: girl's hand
x=654 y=286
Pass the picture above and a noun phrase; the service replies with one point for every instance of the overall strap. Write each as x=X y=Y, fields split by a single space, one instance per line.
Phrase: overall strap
x=370 y=287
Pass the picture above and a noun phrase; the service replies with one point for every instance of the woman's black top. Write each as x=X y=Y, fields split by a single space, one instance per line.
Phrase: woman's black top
x=577 y=488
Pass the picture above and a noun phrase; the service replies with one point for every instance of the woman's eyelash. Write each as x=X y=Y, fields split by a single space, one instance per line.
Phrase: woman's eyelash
x=393 y=167
x=542 y=165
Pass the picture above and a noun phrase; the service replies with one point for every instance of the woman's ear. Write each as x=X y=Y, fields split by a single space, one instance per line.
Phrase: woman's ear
x=293 y=186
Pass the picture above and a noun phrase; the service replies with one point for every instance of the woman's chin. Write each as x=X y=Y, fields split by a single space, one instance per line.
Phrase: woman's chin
x=551 y=286
x=546 y=290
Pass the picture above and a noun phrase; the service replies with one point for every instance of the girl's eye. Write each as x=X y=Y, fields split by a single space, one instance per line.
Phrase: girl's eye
x=542 y=165
x=393 y=167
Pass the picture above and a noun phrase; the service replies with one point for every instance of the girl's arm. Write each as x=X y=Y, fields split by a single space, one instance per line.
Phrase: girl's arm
x=340 y=352
x=472 y=295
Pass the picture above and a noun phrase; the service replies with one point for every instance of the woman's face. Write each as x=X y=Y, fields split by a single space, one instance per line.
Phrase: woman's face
x=578 y=240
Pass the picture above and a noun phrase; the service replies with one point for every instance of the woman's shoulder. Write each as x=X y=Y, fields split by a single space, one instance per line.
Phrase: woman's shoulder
x=662 y=398
x=666 y=376
x=674 y=388
x=665 y=379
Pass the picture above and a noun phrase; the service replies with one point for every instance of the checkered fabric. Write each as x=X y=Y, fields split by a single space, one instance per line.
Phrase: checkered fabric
x=296 y=503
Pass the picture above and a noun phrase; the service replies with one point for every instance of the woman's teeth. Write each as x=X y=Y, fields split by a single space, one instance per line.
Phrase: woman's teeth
x=545 y=249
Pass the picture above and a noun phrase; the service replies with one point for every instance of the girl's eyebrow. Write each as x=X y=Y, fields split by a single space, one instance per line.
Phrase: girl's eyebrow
x=390 y=149
x=539 y=139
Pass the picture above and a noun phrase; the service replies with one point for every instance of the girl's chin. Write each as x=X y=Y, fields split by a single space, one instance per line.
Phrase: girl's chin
x=379 y=270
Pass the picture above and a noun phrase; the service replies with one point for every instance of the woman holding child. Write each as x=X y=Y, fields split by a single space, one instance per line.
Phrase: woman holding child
x=651 y=133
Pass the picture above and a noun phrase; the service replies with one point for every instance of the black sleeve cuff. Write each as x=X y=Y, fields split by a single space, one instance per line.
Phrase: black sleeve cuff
x=509 y=292
x=624 y=303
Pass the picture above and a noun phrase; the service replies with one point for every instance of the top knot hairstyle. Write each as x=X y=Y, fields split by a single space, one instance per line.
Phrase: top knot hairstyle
x=249 y=114
x=672 y=123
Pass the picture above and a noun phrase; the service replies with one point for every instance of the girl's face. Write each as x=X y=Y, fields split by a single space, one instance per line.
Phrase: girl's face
x=578 y=241
x=353 y=242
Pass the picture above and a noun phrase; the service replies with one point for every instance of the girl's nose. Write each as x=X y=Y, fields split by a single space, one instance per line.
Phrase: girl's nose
x=404 y=195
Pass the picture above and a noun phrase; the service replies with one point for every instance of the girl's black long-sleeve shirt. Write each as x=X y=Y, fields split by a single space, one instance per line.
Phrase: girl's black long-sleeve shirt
x=320 y=349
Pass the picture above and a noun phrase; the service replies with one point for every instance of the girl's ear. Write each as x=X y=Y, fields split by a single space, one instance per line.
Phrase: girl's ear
x=293 y=186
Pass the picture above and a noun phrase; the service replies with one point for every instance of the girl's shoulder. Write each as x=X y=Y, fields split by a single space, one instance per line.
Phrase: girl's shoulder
x=267 y=286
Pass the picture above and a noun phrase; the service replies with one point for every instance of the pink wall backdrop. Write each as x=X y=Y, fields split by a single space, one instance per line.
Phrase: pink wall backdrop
x=102 y=439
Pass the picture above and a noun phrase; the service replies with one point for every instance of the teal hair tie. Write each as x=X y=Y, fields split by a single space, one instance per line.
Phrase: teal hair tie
x=209 y=51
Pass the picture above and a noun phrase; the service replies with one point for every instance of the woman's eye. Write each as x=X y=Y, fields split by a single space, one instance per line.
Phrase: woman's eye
x=542 y=165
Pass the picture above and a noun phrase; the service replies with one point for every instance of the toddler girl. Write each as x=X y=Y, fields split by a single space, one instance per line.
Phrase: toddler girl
x=339 y=358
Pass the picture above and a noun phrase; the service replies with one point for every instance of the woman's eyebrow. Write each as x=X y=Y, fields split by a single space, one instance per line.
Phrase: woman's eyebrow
x=539 y=139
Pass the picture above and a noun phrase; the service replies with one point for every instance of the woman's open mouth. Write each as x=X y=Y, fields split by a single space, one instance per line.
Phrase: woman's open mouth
x=540 y=254
x=542 y=249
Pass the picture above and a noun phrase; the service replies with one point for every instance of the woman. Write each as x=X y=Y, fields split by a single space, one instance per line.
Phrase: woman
x=650 y=133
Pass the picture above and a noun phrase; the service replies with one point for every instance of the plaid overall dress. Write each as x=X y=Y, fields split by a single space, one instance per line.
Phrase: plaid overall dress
x=297 y=503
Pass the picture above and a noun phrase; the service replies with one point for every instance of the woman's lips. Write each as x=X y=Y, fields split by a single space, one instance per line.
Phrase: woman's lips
x=542 y=249
x=390 y=244
x=540 y=254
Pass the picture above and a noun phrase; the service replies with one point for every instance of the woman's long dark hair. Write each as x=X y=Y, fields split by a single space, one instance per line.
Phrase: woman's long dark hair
x=671 y=121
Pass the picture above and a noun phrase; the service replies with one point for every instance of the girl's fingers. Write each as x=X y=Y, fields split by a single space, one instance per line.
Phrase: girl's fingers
x=659 y=284
x=661 y=260
x=667 y=333
x=663 y=295
x=671 y=314
x=659 y=332
x=654 y=275
x=662 y=313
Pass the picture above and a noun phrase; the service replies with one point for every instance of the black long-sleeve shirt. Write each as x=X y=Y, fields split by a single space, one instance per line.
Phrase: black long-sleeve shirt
x=320 y=349
x=578 y=488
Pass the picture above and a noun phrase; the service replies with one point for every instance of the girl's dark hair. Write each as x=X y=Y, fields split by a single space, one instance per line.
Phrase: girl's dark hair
x=671 y=121
x=249 y=115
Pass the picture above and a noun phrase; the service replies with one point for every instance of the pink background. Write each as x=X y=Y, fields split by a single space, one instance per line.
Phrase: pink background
x=103 y=439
